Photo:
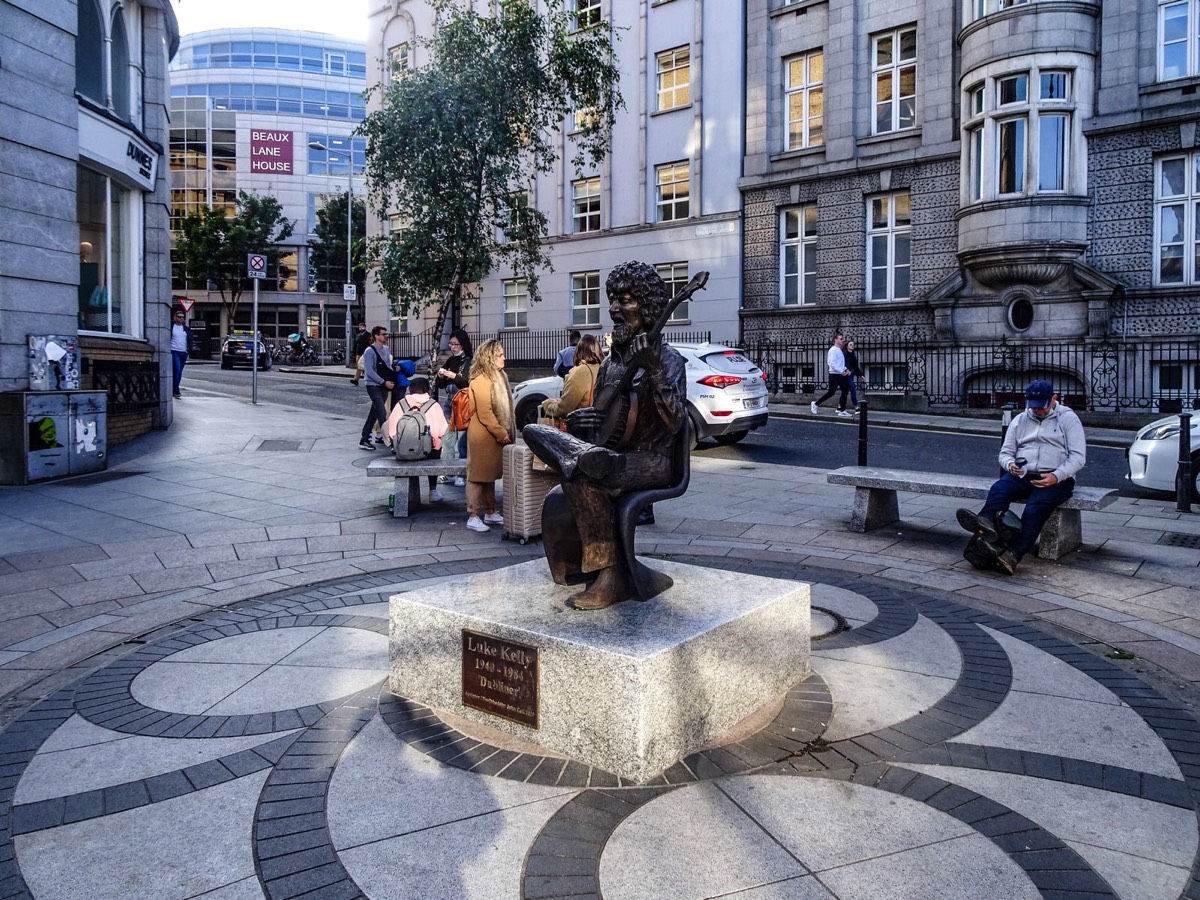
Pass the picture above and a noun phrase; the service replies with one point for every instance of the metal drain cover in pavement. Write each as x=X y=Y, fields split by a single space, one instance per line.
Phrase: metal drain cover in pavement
x=279 y=445
x=1174 y=539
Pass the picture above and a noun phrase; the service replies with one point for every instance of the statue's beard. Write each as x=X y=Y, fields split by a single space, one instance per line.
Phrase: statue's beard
x=622 y=335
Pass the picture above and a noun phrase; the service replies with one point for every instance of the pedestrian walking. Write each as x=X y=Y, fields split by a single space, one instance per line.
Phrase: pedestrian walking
x=362 y=341
x=181 y=347
x=492 y=426
x=855 y=372
x=378 y=374
x=839 y=377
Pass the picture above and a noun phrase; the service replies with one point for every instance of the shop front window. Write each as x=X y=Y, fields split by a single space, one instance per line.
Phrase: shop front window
x=105 y=278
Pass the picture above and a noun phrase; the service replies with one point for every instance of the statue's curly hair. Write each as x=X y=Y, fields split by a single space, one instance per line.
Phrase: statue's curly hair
x=644 y=283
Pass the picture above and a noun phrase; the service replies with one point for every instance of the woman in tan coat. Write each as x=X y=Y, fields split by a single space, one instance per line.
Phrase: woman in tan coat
x=492 y=426
x=580 y=383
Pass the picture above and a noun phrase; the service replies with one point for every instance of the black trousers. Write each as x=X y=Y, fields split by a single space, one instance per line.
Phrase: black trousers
x=837 y=383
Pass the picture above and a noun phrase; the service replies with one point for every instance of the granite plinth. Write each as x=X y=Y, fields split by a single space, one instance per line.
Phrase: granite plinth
x=630 y=689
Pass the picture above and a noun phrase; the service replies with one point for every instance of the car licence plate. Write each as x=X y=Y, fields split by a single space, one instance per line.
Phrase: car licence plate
x=754 y=403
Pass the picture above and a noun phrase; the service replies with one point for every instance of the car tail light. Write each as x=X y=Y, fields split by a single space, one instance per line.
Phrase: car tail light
x=721 y=412
x=720 y=381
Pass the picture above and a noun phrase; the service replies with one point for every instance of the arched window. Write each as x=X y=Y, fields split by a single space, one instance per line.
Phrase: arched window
x=120 y=67
x=89 y=53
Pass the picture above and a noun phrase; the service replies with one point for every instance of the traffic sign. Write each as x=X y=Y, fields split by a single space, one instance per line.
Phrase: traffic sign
x=349 y=291
x=256 y=266
x=187 y=303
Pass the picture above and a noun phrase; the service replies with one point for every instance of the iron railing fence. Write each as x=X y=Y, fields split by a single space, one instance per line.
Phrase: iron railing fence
x=1106 y=376
x=132 y=385
x=522 y=349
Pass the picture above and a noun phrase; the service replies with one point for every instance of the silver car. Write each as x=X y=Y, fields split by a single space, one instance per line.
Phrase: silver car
x=1154 y=455
x=727 y=393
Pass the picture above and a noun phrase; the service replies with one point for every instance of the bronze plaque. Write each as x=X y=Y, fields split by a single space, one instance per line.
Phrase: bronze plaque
x=500 y=677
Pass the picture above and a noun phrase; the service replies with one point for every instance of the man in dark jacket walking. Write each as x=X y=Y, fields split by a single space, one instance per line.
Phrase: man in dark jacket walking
x=361 y=341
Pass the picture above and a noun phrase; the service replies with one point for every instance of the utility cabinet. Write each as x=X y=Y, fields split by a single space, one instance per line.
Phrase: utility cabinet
x=52 y=434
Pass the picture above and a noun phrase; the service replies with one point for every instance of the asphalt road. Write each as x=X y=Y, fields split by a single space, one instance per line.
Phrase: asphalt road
x=824 y=444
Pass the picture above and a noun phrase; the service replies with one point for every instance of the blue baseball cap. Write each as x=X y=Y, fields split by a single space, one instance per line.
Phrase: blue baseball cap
x=1038 y=395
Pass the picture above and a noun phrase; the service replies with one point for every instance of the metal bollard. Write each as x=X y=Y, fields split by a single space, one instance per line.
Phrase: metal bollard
x=1183 y=477
x=1006 y=414
x=862 y=432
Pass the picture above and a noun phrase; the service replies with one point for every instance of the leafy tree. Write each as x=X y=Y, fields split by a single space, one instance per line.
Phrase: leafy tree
x=327 y=257
x=453 y=145
x=212 y=246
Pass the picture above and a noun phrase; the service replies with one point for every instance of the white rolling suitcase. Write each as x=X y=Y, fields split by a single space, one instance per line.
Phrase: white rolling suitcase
x=524 y=491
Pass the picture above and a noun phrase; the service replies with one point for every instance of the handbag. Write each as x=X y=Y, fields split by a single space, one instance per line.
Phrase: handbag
x=460 y=410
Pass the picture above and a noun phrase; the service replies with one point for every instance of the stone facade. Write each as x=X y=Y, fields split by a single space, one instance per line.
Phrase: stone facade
x=64 y=125
x=1042 y=231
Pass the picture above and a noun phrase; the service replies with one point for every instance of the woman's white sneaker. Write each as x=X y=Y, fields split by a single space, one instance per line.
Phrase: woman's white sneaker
x=476 y=524
x=435 y=496
x=494 y=518
x=460 y=482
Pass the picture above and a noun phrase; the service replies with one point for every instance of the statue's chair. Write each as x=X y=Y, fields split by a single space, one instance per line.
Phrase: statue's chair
x=564 y=551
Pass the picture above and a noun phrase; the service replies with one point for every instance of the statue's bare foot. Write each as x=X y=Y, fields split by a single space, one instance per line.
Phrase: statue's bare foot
x=608 y=588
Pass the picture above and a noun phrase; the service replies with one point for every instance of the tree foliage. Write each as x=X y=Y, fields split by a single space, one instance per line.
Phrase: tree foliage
x=212 y=246
x=327 y=256
x=454 y=145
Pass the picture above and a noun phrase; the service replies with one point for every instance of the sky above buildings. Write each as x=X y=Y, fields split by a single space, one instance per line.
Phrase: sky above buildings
x=344 y=18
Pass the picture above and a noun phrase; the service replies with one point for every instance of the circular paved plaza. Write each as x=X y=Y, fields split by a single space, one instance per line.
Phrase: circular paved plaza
x=936 y=751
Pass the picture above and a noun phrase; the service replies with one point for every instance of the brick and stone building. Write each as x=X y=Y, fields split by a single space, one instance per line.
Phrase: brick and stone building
x=993 y=177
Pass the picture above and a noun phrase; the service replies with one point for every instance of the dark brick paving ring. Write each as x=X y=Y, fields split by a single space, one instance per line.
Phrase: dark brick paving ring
x=293 y=849
x=105 y=698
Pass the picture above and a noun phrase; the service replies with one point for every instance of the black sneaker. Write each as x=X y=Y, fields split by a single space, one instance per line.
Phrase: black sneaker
x=366 y=444
x=984 y=526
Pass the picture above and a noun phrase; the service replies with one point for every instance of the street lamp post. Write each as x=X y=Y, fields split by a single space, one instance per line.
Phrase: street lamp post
x=317 y=145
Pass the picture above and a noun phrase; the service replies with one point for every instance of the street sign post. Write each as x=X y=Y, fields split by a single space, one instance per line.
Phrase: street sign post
x=349 y=294
x=256 y=269
x=187 y=303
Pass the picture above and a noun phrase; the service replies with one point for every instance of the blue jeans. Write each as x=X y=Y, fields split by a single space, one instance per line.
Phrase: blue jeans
x=854 y=391
x=378 y=394
x=1039 y=503
x=178 y=359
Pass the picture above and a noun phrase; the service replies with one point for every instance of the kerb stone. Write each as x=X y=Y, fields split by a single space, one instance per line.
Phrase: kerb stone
x=630 y=689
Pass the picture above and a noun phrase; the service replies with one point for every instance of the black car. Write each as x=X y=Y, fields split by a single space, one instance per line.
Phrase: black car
x=236 y=351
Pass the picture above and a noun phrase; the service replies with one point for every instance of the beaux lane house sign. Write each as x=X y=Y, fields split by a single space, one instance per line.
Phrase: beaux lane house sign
x=500 y=677
x=271 y=151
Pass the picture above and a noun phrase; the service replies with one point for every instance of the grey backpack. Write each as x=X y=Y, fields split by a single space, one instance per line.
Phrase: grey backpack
x=413 y=440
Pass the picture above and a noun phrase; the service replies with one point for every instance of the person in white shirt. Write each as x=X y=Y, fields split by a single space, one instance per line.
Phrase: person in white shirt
x=181 y=346
x=1043 y=450
x=839 y=378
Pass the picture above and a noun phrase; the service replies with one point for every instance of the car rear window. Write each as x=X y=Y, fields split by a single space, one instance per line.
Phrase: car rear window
x=732 y=361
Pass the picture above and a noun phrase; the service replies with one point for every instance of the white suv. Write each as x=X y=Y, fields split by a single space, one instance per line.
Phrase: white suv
x=727 y=394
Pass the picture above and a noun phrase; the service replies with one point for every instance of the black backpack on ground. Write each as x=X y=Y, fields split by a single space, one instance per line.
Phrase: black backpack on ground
x=982 y=554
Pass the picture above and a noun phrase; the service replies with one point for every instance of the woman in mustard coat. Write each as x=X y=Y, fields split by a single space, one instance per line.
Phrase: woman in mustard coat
x=580 y=384
x=492 y=426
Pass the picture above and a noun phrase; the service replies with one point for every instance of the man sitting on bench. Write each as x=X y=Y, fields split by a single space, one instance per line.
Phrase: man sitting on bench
x=1043 y=450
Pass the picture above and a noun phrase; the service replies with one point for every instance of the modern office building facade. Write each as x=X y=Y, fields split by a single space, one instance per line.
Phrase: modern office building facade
x=667 y=194
x=246 y=107
x=980 y=192
x=84 y=201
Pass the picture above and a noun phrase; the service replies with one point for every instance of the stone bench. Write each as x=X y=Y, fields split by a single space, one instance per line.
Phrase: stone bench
x=875 y=503
x=408 y=496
